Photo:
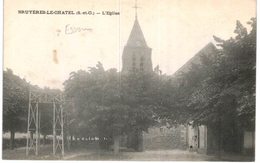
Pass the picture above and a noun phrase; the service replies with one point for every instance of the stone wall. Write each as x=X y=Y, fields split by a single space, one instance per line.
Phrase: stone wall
x=165 y=138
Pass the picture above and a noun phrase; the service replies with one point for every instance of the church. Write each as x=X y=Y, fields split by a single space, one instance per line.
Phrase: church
x=137 y=57
x=137 y=54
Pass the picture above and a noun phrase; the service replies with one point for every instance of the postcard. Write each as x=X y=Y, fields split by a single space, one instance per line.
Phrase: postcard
x=129 y=80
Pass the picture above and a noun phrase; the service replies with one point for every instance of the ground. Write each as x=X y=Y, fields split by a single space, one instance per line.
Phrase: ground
x=88 y=154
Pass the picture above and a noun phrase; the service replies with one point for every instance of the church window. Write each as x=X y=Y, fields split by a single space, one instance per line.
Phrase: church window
x=142 y=63
x=134 y=62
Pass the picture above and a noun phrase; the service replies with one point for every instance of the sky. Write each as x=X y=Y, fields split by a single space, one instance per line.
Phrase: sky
x=39 y=48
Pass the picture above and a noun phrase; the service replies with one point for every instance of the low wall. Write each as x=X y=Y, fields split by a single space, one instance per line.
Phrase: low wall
x=164 y=138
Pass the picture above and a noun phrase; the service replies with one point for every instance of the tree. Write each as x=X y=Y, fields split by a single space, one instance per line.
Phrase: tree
x=15 y=106
x=232 y=74
x=220 y=90
x=109 y=105
x=15 y=103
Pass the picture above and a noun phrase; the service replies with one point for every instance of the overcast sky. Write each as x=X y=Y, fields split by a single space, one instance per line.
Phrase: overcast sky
x=37 y=48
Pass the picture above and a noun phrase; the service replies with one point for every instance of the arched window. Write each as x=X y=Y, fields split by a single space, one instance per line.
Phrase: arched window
x=134 y=62
x=142 y=63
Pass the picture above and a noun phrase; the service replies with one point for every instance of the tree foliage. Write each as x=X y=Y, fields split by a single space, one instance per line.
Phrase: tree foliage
x=109 y=104
x=15 y=105
x=15 y=102
x=221 y=85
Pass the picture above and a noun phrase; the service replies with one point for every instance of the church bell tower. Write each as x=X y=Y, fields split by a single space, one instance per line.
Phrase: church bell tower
x=136 y=54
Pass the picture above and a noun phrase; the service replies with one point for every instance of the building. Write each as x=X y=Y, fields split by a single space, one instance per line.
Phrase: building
x=136 y=54
x=182 y=136
x=137 y=57
x=204 y=139
x=208 y=138
x=209 y=50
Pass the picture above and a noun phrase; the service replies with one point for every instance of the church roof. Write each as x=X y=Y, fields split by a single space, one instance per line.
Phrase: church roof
x=209 y=50
x=136 y=38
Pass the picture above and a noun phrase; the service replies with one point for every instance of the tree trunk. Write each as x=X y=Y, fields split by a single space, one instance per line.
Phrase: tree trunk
x=102 y=143
x=68 y=140
x=139 y=141
x=12 y=137
x=116 y=144
x=71 y=141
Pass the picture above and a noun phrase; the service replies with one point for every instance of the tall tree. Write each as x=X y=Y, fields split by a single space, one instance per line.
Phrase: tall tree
x=108 y=104
x=220 y=90
x=15 y=103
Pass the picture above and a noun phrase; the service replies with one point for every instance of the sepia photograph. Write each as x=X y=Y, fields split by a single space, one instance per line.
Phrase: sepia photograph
x=129 y=80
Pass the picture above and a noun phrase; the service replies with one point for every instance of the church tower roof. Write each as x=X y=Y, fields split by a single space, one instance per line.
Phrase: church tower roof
x=136 y=38
x=136 y=55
